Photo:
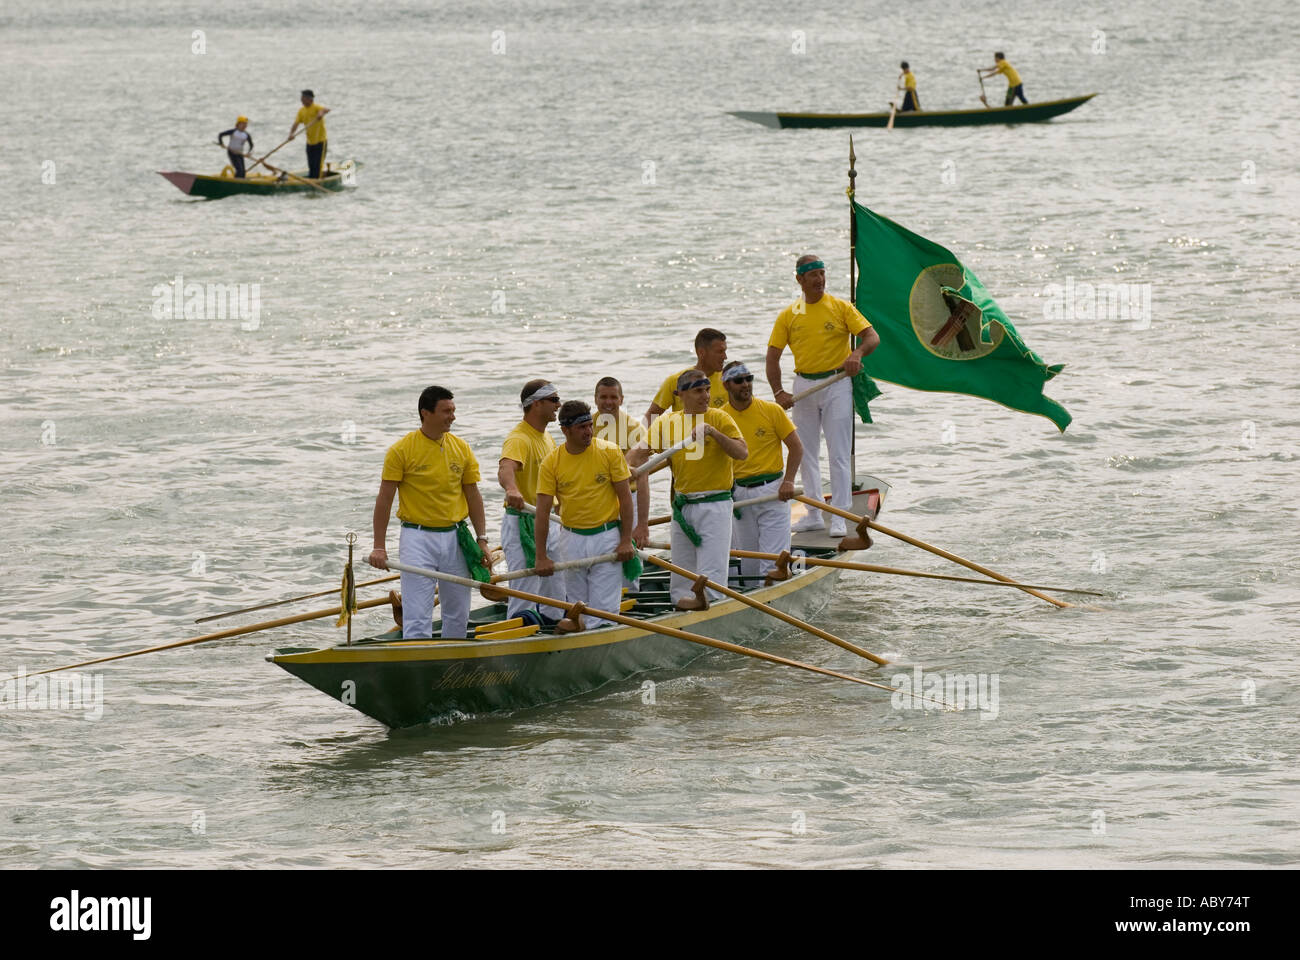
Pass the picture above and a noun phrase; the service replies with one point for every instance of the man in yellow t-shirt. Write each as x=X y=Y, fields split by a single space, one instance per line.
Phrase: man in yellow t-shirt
x=312 y=115
x=819 y=330
x=435 y=477
x=702 y=480
x=590 y=478
x=1014 y=87
x=765 y=426
x=522 y=453
x=613 y=424
x=907 y=83
x=710 y=355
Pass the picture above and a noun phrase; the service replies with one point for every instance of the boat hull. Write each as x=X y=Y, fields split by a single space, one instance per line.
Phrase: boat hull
x=1023 y=113
x=409 y=683
x=216 y=188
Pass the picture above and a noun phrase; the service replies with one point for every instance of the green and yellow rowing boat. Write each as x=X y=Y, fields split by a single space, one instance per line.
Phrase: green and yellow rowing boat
x=261 y=184
x=1022 y=113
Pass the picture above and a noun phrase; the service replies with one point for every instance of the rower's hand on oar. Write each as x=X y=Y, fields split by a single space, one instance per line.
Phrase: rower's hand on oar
x=641 y=535
x=785 y=398
x=785 y=491
x=625 y=550
x=544 y=566
x=514 y=499
x=852 y=365
x=378 y=558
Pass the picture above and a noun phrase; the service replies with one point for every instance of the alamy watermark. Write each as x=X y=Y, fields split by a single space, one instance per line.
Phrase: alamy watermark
x=919 y=690
x=179 y=300
x=1081 y=300
x=64 y=691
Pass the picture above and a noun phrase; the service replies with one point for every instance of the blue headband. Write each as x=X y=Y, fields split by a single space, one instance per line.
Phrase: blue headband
x=738 y=372
x=803 y=268
x=693 y=384
x=574 y=421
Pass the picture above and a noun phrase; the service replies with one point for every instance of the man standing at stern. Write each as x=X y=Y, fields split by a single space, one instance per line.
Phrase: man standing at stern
x=702 y=480
x=819 y=330
x=522 y=453
x=765 y=426
x=591 y=479
x=312 y=115
x=435 y=477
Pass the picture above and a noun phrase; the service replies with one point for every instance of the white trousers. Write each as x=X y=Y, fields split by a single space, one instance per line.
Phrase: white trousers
x=438 y=551
x=828 y=412
x=552 y=586
x=601 y=584
x=712 y=521
x=765 y=528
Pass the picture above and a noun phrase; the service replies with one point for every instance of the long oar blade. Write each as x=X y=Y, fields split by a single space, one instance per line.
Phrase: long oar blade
x=280 y=603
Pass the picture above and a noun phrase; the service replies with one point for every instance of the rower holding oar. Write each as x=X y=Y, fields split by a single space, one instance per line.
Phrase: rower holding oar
x=240 y=145
x=613 y=424
x=819 y=330
x=702 y=481
x=312 y=114
x=764 y=426
x=1014 y=87
x=435 y=477
x=590 y=478
x=522 y=453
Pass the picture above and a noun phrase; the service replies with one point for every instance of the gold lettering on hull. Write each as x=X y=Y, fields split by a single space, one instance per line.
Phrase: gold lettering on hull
x=457 y=675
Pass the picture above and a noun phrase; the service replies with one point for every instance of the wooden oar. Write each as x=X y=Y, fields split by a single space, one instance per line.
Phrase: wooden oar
x=726 y=591
x=822 y=385
x=892 y=109
x=937 y=551
x=235 y=632
x=576 y=610
x=737 y=505
x=561 y=565
x=983 y=99
x=660 y=459
x=280 y=603
x=292 y=176
x=897 y=571
x=291 y=137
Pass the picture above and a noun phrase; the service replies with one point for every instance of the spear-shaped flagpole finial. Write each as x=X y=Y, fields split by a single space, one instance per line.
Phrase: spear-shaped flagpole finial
x=853 y=172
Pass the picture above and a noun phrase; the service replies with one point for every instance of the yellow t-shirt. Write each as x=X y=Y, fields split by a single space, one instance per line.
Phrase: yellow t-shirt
x=695 y=471
x=306 y=115
x=764 y=425
x=909 y=81
x=529 y=447
x=666 y=399
x=430 y=475
x=1008 y=71
x=818 y=334
x=584 y=483
x=622 y=431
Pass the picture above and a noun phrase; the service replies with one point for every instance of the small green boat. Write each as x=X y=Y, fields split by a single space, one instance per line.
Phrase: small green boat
x=405 y=683
x=1023 y=113
x=214 y=188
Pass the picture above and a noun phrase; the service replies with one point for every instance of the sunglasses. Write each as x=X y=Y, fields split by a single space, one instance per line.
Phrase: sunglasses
x=748 y=379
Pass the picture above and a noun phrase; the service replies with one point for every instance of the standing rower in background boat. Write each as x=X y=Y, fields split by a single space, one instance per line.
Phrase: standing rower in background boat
x=590 y=477
x=1014 y=87
x=702 y=481
x=710 y=354
x=819 y=330
x=522 y=453
x=312 y=114
x=765 y=426
x=614 y=425
x=240 y=145
x=907 y=83
x=435 y=477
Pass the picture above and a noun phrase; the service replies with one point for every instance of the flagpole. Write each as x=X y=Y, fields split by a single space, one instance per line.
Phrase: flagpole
x=853 y=297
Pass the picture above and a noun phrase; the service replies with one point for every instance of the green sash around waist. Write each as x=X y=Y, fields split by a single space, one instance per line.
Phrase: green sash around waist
x=473 y=553
x=527 y=535
x=682 y=499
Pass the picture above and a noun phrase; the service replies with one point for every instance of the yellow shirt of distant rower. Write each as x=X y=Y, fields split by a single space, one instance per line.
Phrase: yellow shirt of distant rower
x=666 y=399
x=621 y=430
x=764 y=425
x=818 y=334
x=306 y=115
x=1008 y=71
x=530 y=447
x=909 y=80
x=693 y=472
x=430 y=475
x=584 y=482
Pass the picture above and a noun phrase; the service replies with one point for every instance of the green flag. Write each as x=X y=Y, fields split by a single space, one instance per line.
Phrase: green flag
x=939 y=328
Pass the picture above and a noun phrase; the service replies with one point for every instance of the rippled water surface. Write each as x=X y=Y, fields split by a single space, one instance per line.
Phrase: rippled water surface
x=578 y=205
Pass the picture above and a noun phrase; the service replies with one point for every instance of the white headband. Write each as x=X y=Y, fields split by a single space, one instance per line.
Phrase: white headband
x=541 y=393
